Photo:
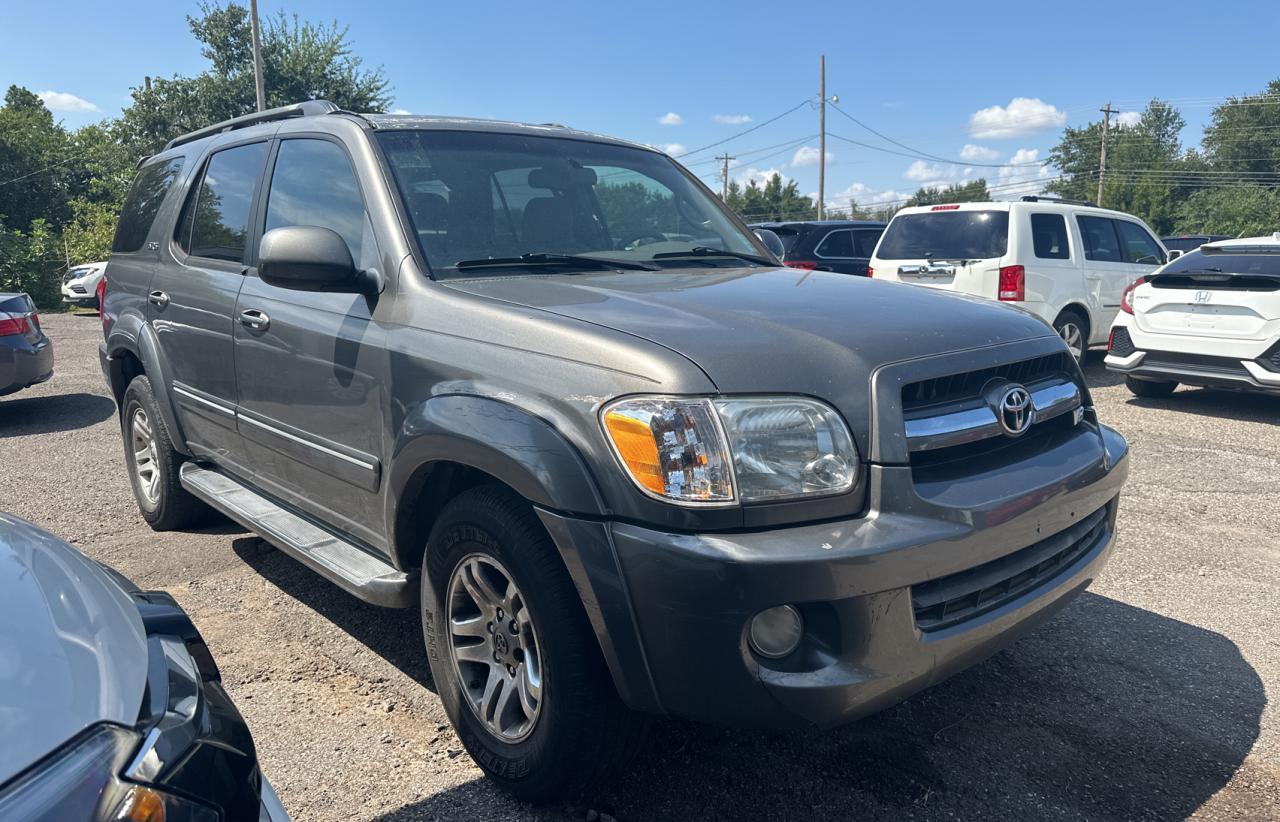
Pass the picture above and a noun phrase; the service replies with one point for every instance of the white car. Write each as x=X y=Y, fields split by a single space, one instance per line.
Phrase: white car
x=1209 y=318
x=1067 y=262
x=80 y=285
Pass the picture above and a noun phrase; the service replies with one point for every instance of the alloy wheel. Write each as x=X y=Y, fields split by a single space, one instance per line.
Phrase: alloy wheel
x=146 y=460
x=1074 y=338
x=493 y=645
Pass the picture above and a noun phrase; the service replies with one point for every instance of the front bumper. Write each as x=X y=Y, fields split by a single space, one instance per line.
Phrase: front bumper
x=691 y=596
x=23 y=364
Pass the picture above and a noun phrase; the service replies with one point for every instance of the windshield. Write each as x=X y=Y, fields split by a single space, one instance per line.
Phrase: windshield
x=946 y=235
x=488 y=203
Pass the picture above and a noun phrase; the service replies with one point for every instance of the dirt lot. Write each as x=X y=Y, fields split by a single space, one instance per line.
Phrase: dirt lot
x=1152 y=697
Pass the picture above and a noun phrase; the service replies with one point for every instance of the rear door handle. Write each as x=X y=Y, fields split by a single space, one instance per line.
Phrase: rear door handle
x=255 y=319
x=158 y=299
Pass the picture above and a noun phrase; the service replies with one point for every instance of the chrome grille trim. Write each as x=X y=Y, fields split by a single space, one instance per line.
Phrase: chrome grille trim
x=968 y=425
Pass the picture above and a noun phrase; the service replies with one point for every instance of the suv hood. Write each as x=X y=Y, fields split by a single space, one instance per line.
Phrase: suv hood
x=774 y=330
x=73 y=651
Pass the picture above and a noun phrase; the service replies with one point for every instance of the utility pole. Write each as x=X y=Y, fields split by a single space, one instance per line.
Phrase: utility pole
x=1102 y=159
x=822 y=135
x=259 y=84
x=724 y=176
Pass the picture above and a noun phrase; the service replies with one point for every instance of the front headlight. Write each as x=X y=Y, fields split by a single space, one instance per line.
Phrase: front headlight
x=701 y=451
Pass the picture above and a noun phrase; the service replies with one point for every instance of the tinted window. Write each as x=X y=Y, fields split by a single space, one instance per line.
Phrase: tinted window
x=140 y=207
x=1137 y=246
x=864 y=242
x=313 y=184
x=215 y=222
x=946 y=235
x=1049 y=235
x=836 y=244
x=1100 y=241
x=1265 y=264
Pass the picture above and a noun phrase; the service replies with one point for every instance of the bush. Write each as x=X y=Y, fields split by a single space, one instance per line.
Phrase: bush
x=28 y=263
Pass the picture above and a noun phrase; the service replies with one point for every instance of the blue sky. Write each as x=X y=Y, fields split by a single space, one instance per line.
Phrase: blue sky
x=998 y=77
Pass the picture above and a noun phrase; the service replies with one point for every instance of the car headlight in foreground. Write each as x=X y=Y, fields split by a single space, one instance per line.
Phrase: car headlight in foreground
x=722 y=451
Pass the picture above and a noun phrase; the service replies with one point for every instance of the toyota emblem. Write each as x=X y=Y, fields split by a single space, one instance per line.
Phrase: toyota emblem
x=1015 y=411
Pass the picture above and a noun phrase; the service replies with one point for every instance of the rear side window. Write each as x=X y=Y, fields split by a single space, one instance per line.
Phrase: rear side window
x=864 y=242
x=836 y=244
x=1100 y=241
x=313 y=184
x=946 y=235
x=1137 y=246
x=215 y=222
x=143 y=203
x=1049 y=235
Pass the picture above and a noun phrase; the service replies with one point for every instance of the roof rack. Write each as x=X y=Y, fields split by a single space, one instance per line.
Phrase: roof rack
x=303 y=109
x=1040 y=198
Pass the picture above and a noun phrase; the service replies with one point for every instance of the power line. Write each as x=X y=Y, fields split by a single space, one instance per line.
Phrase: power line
x=756 y=127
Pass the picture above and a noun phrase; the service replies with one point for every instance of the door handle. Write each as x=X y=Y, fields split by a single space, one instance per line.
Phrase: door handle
x=158 y=299
x=255 y=319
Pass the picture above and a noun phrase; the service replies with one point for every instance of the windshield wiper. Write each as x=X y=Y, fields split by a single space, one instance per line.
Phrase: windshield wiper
x=543 y=258
x=705 y=251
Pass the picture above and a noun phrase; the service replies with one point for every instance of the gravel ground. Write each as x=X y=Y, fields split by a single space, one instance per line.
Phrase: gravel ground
x=1151 y=697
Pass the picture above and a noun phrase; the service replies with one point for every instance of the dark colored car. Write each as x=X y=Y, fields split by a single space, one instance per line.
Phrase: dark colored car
x=111 y=707
x=26 y=354
x=542 y=385
x=1190 y=242
x=843 y=246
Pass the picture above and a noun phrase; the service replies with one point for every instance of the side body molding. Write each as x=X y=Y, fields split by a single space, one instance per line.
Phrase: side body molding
x=129 y=334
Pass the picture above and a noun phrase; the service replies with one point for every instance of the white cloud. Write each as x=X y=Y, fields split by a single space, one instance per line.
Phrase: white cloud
x=1128 y=119
x=808 y=156
x=1019 y=179
x=400 y=111
x=920 y=171
x=670 y=119
x=732 y=119
x=62 y=101
x=865 y=195
x=673 y=148
x=974 y=153
x=759 y=176
x=1023 y=116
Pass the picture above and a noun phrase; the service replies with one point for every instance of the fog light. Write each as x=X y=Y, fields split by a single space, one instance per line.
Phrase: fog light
x=775 y=632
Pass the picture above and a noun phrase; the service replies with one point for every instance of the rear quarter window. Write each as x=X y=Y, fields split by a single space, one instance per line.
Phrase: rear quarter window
x=143 y=203
x=1049 y=236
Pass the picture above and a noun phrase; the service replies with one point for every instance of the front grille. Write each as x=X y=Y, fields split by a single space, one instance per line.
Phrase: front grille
x=950 y=600
x=1121 y=344
x=1195 y=362
x=967 y=386
x=78 y=289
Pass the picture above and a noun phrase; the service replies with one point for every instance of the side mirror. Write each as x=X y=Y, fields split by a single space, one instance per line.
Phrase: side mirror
x=308 y=258
x=772 y=242
x=1173 y=255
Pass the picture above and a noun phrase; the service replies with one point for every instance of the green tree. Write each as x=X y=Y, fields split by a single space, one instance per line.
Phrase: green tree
x=971 y=192
x=301 y=61
x=1237 y=211
x=34 y=167
x=1244 y=135
x=772 y=201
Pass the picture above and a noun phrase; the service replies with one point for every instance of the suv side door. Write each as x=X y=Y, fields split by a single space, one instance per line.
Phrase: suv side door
x=1107 y=273
x=193 y=293
x=311 y=367
x=847 y=250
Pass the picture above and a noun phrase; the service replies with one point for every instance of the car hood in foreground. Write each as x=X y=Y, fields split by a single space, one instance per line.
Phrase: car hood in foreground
x=769 y=330
x=73 y=651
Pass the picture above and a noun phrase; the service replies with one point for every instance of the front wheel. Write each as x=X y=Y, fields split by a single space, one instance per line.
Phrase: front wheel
x=1150 y=389
x=513 y=656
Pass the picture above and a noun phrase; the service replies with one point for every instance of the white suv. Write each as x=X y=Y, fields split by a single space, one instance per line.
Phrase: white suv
x=1065 y=261
x=1210 y=318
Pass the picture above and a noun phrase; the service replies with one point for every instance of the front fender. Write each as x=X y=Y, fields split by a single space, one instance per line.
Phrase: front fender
x=130 y=335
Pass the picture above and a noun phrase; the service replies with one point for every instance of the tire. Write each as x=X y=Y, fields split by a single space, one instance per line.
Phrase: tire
x=580 y=733
x=1074 y=331
x=163 y=502
x=1149 y=388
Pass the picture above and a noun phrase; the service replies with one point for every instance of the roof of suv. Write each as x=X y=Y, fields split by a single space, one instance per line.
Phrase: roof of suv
x=821 y=223
x=1039 y=204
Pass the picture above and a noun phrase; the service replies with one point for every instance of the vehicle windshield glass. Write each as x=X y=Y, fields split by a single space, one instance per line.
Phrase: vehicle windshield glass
x=476 y=197
x=1197 y=262
x=946 y=235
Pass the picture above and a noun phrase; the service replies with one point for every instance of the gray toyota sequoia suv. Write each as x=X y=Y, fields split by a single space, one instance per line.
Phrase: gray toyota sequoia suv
x=543 y=386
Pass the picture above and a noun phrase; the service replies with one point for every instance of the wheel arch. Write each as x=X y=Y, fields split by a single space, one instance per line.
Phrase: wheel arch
x=133 y=350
